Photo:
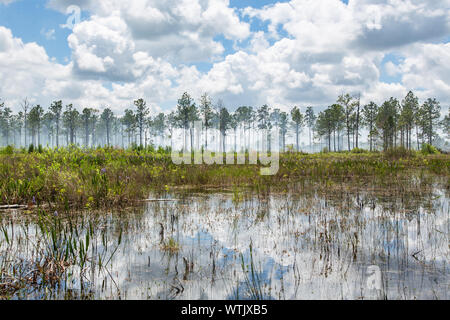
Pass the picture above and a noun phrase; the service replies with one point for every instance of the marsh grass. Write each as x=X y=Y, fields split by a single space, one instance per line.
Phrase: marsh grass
x=73 y=178
x=55 y=247
x=170 y=245
x=252 y=279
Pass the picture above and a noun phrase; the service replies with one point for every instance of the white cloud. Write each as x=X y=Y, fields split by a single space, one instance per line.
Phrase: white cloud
x=399 y=23
x=27 y=72
x=311 y=52
x=391 y=69
x=24 y=68
x=6 y=2
x=179 y=31
x=102 y=48
x=426 y=66
x=48 y=34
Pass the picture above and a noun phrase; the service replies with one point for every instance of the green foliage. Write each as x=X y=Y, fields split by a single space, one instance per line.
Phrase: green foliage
x=400 y=152
x=429 y=149
x=8 y=150
x=186 y=111
x=64 y=242
x=387 y=121
x=206 y=110
x=141 y=114
x=358 y=150
x=428 y=118
x=297 y=121
x=445 y=124
x=136 y=147
x=94 y=178
x=162 y=150
x=252 y=277
x=171 y=245
x=369 y=114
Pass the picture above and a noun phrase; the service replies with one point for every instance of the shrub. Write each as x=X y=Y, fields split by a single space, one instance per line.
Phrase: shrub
x=400 y=152
x=136 y=147
x=358 y=150
x=9 y=150
x=150 y=148
x=161 y=150
x=429 y=149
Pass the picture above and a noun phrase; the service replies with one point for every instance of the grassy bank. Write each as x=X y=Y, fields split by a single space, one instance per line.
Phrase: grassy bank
x=77 y=178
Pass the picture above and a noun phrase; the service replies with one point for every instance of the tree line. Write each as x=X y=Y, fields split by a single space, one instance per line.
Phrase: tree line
x=394 y=123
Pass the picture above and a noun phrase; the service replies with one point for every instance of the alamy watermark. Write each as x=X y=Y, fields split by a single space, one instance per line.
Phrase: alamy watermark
x=74 y=18
x=267 y=153
x=374 y=283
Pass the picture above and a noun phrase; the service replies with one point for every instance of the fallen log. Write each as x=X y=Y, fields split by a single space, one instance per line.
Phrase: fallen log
x=13 y=206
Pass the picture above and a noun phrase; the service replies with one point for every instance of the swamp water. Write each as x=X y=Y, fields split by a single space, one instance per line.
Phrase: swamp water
x=355 y=245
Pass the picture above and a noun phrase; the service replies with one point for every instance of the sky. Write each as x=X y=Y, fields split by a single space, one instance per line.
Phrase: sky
x=281 y=53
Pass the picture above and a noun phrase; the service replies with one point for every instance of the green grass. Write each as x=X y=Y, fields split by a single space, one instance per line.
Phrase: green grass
x=170 y=245
x=95 y=178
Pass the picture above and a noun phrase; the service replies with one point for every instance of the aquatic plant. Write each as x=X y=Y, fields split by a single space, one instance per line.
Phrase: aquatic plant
x=59 y=245
x=170 y=245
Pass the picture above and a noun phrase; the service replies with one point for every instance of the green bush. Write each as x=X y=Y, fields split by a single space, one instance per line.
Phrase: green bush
x=399 y=152
x=150 y=148
x=429 y=149
x=8 y=150
x=358 y=150
x=136 y=147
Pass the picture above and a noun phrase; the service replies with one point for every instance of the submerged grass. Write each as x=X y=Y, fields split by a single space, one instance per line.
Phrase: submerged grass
x=107 y=177
x=252 y=280
x=58 y=252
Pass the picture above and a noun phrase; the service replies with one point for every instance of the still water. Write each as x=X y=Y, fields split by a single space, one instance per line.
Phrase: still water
x=355 y=245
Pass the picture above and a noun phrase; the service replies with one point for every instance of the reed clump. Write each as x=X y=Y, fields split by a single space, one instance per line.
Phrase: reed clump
x=171 y=245
x=63 y=249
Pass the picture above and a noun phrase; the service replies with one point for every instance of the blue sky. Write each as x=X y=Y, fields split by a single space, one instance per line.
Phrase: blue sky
x=28 y=18
x=319 y=49
x=31 y=19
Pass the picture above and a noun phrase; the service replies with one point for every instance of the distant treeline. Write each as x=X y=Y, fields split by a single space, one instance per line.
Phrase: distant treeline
x=395 y=123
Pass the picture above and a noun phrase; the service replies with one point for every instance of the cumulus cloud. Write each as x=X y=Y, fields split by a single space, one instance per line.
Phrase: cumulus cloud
x=399 y=23
x=310 y=52
x=101 y=48
x=24 y=68
x=179 y=31
x=426 y=66
x=340 y=48
x=26 y=71
x=392 y=69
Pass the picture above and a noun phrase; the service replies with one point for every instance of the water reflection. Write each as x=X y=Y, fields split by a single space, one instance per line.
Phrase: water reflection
x=282 y=246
